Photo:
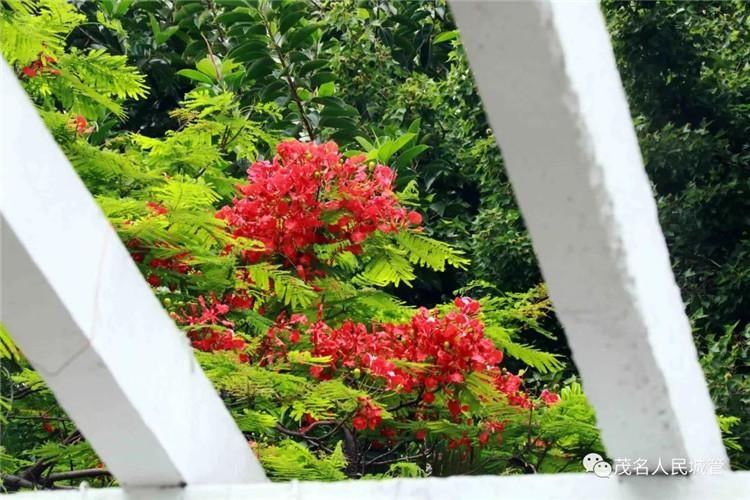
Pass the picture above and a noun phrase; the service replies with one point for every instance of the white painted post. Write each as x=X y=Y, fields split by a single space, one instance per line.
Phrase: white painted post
x=548 y=79
x=81 y=312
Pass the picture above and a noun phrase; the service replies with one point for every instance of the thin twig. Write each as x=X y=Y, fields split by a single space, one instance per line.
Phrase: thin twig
x=76 y=474
x=383 y=455
x=289 y=81
x=211 y=57
x=407 y=403
x=401 y=459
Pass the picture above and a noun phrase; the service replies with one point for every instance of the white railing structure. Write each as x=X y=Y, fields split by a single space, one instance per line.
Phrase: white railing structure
x=80 y=311
x=87 y=321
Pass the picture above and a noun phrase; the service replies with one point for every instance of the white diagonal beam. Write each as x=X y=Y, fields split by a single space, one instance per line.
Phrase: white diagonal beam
x=79 y=309
x=548 y=80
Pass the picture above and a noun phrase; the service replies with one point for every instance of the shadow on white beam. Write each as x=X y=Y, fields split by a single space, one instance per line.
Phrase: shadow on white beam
x=550 y=86
x=79 y=309
x=727 y=486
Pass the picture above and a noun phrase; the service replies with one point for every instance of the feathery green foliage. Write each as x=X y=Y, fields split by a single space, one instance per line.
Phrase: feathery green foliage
x=161 y=111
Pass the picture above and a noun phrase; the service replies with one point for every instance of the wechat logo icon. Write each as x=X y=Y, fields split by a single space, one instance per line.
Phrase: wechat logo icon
x=593 y=462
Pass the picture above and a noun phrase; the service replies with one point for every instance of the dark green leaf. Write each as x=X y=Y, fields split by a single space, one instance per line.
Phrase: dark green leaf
x=261 y=67
x=313 y=65
x=337 y=122
x=289 y=19
x=235 y=16
x=299 y=35
x=408 y=155
x=322 y=77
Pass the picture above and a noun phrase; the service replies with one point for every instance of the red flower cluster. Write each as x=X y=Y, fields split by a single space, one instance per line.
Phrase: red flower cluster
x=491 y=429
x=368 y=415
x=42 y=65
x=80 y=125
x=139 y=253
x=175 y=263
x=549 y=398
x=451 y=345
x=156 y=208
x=433 y=351
x=510 y=385
x=209 y=330
x=310 y=194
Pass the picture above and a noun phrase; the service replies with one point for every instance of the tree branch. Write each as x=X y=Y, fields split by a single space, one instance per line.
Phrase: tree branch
x=12 y=482
x=75 y=474
x=289 y=81
x=407 y=403
x=402 y=459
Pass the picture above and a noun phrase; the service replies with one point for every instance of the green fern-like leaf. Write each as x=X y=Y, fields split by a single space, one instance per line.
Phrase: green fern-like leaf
x=256 y=422
x=291 y=460
x=389 y=266
x=30 y=27
x=425 y=251
x=289 y=289
x=541 y=361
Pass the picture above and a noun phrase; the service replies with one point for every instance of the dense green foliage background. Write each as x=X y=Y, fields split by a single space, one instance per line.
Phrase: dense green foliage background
x=391 y=77
x=686 y=70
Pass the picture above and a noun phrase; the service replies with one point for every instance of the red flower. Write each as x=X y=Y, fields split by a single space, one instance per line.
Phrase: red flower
x=451 y=344
x=368 y=415
x=421 y=435
x=484 y=436
x=156 y=208
x=467 y=305
x=210 y=330
x=454 y=407
x=80 y=125
x=44 y=64
x=549 y=398
x=317 y=371
x=239 y=300
x=48 y=427
x=359 y=422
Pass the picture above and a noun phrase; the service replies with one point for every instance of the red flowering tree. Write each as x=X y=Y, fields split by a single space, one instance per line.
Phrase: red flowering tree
x=281 y=272
x=338 y=367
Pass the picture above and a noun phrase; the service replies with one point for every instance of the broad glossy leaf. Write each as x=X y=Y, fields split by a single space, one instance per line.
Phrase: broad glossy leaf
x=290 y=18
x=195 y=75
x=340 y=122
x=299 y=35
x=261 y=67
x=410 y=154
x=445 y=36
x=327 y=89
x=312 y=66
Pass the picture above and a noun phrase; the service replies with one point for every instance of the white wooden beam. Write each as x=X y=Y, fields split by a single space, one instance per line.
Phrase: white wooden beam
x=548 y=80
x=731 y=486
x=79 y=309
